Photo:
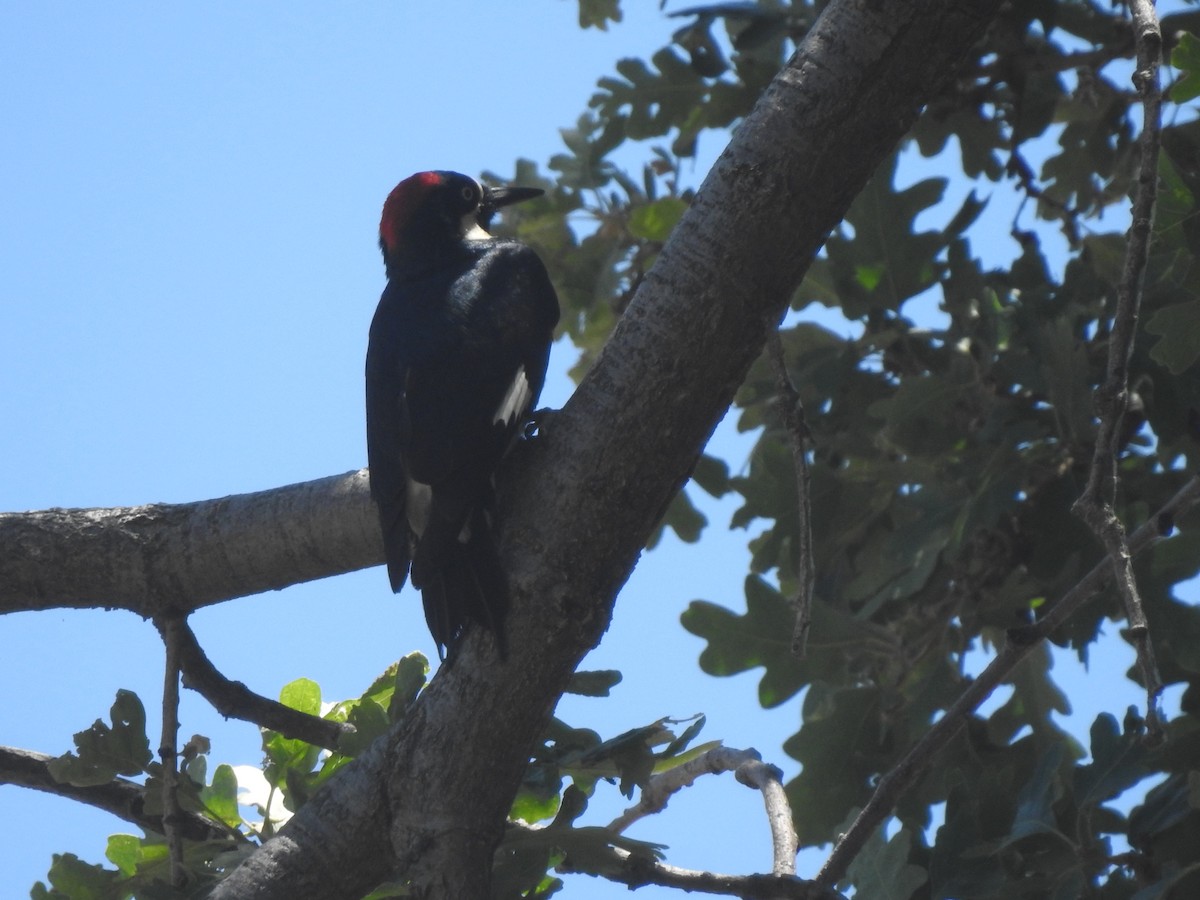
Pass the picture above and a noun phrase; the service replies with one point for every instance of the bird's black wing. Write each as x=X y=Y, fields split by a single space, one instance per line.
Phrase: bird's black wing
x=456 y=361
x=387 y=426
x=406 y=332
x=465 y=403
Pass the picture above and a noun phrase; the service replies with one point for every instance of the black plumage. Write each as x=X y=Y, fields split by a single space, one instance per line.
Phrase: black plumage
x=455 y=363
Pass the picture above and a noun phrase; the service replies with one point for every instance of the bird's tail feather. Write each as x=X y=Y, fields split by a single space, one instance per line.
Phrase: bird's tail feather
x=466 y=585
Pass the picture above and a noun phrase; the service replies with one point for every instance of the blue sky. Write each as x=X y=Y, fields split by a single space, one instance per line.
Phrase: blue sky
x=187 y=271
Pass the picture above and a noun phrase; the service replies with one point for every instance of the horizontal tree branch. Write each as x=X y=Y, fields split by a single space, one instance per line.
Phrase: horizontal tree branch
x=168 y=558
x=638 y=871
x=123 y=798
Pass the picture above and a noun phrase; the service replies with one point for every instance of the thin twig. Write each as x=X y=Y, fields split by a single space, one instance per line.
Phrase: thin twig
x=659 y=789
x=1095 y=505
x=785 y=842
x=233 y=699
x=750 y=770
x=1020 y=169
x=638 y=871
x=1020 y=641
x=168 y=752
x=792 y=410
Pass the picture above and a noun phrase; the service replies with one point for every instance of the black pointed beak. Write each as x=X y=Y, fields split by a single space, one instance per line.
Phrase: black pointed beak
x=496 y=197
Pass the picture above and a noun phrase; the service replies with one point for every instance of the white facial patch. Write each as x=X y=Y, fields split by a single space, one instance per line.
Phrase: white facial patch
x=471 y=229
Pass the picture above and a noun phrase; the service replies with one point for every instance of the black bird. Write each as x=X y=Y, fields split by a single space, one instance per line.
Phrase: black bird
x=456 y=361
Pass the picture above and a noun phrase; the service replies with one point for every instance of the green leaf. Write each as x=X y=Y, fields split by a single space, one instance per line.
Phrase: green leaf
x=882 y=871
x=651 y=101
x=1178 y=325
x=370 y=720
x=655 y=221
x=532 y=806
x=1035 y=697
x=124 y=851
x=762 y=637
x=887 y=261
x=1118 y=763
x=598 y=13
x=1167 y=807
x=411 y=674
x=105 y=752
x=525 y=854
x=683 y=518
x=1186 y=58
x=842 y=750
x=679 y=744
x=711 y=475
x=220 y=798
x=584 y=167
x=303 y=695
x=133 y=855
x=631 y=754
x=71 y=877
x=1035 y=802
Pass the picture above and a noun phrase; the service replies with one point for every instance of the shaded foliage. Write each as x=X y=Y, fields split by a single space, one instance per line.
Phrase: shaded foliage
x=952 y=425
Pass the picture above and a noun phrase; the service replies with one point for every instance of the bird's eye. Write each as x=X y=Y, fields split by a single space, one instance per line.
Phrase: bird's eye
x=468 y=193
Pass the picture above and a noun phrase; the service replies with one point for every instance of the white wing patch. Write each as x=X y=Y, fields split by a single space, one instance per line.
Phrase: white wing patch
x=420 y=496
x=516 y=399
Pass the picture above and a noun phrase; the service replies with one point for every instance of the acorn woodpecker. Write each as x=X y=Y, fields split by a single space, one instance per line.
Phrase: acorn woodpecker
x=456 y=360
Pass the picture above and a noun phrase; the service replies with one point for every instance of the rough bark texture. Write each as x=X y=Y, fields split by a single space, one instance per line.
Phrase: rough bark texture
x=580 y=503
x=164 y=557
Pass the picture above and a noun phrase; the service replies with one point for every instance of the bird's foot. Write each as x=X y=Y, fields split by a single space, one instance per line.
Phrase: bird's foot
x=535 y=427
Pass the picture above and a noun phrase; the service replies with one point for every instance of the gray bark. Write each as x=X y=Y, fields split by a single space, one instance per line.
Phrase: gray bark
x=178 y=557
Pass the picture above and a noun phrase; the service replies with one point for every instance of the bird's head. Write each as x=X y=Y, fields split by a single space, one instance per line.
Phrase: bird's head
x=433 y=209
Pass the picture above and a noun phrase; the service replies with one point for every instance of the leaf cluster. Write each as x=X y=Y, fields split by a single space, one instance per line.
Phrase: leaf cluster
x=564 y=772
x=952 y=422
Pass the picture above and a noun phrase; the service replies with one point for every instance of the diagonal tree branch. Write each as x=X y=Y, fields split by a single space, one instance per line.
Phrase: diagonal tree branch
x=576 y=509
x=232 y=699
